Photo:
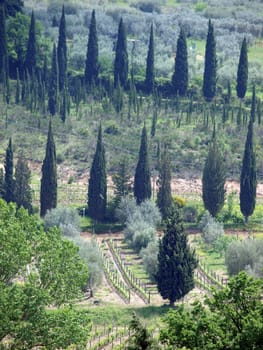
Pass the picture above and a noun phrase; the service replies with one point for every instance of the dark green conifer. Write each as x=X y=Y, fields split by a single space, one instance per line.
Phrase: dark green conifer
x=97 y=191
x=209 y=80
x=213 y=179
x=142 y=178
x=92 y=64
x=176 y=261
x=180 y=76
x=164 y=194
x=242 y=71
x=9 y=170
x=3 y=46
x=30 y=63
x=53 y=84
x=248 y=178
x=253 y=105
x=121 y=180
x=22 y=189
x=2 y=184
x=62 y=53
x=48 y=190
x=121 y=57
x=149 y=77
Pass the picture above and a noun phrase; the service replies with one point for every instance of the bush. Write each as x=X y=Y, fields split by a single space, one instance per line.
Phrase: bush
x=67 y=219
x=211 y=229
x=244 y=255
x=149 y=257
x=126 y=209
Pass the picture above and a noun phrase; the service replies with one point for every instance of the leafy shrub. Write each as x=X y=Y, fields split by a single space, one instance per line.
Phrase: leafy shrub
x=126 y=209
x=244 y=255
x=149 y=257
x=211 y=229
x=190 y=214
x=142 y=235
x=67 y=219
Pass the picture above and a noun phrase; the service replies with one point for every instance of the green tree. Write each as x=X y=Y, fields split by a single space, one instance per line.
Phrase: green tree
x=142 y=179
x=176 y=261
x=231 y=319
x=22 y=189
x=248 y=178
x=30 y=63
x=149 y=77
x=213 y=179
x=13 y=6
x=39 y=269
x=92 y=64
x=242 y=71
x=53 y=84
x=62 y=53
x=121 y=181
x=164 y=194
x=3 y=47
x=9 y=171
x=121 y=57
x=48 y=189
x=180 y=76
x=97 y=191
x=209 y=79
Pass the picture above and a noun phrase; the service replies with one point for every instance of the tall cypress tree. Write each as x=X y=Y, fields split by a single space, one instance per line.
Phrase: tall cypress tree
x=9 y=170
x=180 y=76
x=3 y=47
x=121 y=57
x=121 y=180
x=48 y=190
x=31 y=53
x=164 y=194
x=53 y=83
x=248 y=179
x=242 y=71
x=209 y=80
x=142 y=178
x=149 y=77
x=22 y=189
x=213 y=179
x=176 y=261
x=97 y=191
x=92 y=64
x=62 y=53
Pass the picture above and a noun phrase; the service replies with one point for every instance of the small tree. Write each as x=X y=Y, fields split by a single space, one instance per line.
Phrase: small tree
x=209 y=80
x=31 y=53
x=3 y=46
x=92 y=64
x=9 y=170
x=97 y=191
x=48 y=188
x=22 y=189
x=121 y=57
x=62 y=52
x=180 y=76
x=142 y=178
x=121 y=181
x=213 y=180
x=176 y=261
x=242 y=72
x=149 y=77
x=53 y=84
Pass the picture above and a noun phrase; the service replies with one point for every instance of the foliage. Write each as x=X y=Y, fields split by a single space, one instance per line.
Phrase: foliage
x=139 y=234
x=97 y=191
x=126 y=209
x=180 y=75
x=248 y=177
x=3 y=46
x=67 y=219
x=9 y=169
x=142 y=177
x=232 y=320
x=62 y=53
x=22 y=189
x=242 y=71
x=30 y=63
x=212 y=230
x=48 y=190
x=92 y=64
x=38 y=269
x=176 y=261
x=149 y=76
x=149 y=257
x=53 y=84
x=244 y=255
x=121 y=57
x=121 y=181
x=209 y=79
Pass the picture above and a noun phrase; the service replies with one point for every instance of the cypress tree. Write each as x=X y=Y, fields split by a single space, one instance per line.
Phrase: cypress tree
x=3 y=46
x=209 y=80
x=31 y=53
x=53 y=83
x=142 y=178
x=121 y=57
x=242 y=71
x=176 y=261
x=164 y=194
x=48 y=189
x=2 y=184
x=180 y=76
x=92 y=64
x=121 y=182
x=9 y=170
x=248 y=179
x=213 y=179
x=253 y=105
x=149 y=77
x=97 y=191
x=62 y=52
x=22 y=189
